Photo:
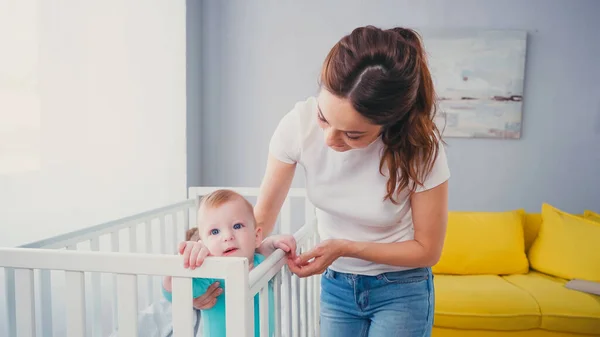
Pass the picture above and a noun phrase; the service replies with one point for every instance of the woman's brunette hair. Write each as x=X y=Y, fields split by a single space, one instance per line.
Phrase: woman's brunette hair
x=384 y=74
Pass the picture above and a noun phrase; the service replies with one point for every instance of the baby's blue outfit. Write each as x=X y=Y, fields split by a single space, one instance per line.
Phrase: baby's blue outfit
x=214 y=318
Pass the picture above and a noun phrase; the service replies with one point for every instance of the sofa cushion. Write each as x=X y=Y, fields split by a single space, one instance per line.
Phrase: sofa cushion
x=531 y=226
x=563 y=309
x=447 y=332
x=591 y=215
x=483 y=243
x=566 y=246
x=483 y=302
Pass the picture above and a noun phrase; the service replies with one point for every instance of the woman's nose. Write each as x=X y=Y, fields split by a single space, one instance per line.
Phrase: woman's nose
x=331 y=136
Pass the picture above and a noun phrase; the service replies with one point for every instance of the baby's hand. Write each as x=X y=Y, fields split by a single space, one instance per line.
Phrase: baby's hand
x=285 y=242
x=194 y=253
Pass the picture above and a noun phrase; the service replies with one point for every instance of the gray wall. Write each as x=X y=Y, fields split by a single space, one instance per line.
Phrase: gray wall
x=193 y=124
x=260 y=57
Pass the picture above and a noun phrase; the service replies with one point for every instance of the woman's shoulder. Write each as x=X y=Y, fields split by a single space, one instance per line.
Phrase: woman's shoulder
x=294 y=131
x=302 y=115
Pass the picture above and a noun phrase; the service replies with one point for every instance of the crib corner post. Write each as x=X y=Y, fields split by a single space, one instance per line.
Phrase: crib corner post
x=239 y=304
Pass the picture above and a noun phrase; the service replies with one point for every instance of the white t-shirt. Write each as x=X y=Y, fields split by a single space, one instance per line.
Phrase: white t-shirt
x=347 y=188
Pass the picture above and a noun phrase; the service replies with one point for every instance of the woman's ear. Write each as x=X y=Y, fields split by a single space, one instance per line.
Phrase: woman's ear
x=259 y=237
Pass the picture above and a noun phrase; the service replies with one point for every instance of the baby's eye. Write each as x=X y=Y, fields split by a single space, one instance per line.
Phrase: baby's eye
x=238 y=226
x=214 y=232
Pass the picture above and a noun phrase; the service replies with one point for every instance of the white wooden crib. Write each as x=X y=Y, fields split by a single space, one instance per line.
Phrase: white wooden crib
x=113 y=270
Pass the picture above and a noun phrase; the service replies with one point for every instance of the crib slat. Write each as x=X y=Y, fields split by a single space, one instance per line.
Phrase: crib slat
x=309 y=289
x=295 y=307
x=286 y=217
x=114 y=247
x=315 y=306
x=303 y=308
x=148 y=227
x=46 y=298
x=239 y=307
x=186 y=220
x=9 y=293
x=286 y=303
x=311 y=312
x=114 y=241
x=264 y=311
x=127 y=295
x=174 y=234
x=133 y=238
x=71 y=246
x=96 y=295
x=163 y=236
x=75 y=303
x=277 y=300
x=310 y=296
x=317 y=292
x=183 y=319
x=149 y=250
x=25 y=305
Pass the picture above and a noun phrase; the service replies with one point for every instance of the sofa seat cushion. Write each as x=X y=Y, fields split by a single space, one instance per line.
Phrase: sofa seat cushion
x=483 y=302
x=448 y=332
x=562 y=309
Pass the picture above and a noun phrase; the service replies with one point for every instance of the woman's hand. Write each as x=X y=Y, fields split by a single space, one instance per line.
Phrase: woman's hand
x=209 y=298
x=194 y=253
x=318 y=259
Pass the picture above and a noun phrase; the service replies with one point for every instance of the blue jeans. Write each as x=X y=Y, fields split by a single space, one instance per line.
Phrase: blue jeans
x=390 y=304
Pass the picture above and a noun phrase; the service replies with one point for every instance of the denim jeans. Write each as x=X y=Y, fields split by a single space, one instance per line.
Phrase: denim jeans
x=390 y=304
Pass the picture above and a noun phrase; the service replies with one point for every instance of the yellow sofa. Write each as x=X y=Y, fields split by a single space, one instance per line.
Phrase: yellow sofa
x=504 y=274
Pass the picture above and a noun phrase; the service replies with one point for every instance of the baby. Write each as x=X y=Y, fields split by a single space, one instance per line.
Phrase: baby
x=226 y=227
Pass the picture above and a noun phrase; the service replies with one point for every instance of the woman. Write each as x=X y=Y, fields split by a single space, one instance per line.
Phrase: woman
x=376 y=171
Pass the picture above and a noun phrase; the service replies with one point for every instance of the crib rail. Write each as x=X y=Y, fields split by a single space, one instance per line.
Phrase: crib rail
x=90 y=233
x=127 y=267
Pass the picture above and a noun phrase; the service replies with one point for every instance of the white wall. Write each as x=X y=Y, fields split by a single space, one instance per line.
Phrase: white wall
x=261 y=57
x=112 y=78
x=112 y=93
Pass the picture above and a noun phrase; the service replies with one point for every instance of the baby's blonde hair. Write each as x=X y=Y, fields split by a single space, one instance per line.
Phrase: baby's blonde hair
x=220 y=197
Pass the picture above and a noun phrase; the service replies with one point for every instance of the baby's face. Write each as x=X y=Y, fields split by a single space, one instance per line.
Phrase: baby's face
x=229 y=230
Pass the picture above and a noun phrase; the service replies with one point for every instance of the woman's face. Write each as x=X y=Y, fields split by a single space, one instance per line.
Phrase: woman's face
x=344 y=127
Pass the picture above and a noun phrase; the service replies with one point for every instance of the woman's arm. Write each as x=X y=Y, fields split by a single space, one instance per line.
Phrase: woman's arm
x=430 y=216
x=273 y=190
